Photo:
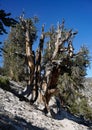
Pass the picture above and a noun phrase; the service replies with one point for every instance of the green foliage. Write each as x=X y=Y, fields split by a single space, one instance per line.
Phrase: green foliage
x=81 y=107
x=71 y=82
x=5 y=20
x=4 y=83
x=74 y=74
x=1 y=71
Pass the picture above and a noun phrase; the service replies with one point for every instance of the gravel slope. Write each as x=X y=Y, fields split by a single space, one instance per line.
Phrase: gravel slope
x=20 y=115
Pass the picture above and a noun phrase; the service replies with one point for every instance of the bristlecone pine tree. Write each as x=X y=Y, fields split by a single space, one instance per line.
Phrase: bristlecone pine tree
x=55 y=70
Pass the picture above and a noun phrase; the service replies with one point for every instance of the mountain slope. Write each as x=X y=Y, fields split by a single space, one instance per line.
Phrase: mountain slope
x=20 y=115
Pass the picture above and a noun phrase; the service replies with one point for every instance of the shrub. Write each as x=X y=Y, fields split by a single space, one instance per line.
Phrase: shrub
x=4 y=83
x=81 y=108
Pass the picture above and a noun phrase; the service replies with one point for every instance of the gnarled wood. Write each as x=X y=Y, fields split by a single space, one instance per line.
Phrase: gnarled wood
x=45 y=84
x=29 y=57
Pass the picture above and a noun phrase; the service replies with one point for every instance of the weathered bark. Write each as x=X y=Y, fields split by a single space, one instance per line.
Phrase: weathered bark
x=29 y=58
x=46 y=85
x=37 y=72
x=56 y=66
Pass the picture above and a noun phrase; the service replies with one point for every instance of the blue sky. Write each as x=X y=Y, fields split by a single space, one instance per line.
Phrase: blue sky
x=77 y=15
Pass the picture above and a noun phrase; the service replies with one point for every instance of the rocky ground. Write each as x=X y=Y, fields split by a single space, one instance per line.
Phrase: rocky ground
x=20 y=115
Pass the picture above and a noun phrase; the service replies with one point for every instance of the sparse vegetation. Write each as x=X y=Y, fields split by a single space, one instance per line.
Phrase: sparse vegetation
x=81 y=108
x=4 y=83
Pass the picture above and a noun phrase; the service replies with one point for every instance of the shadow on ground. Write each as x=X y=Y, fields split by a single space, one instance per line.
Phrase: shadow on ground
x=17 y=123
x=64 y=114
x=8 y=122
